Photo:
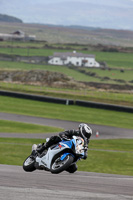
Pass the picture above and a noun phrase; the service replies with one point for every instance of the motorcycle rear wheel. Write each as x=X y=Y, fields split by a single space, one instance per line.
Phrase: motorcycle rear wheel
x=28 y=164
x=60 y=165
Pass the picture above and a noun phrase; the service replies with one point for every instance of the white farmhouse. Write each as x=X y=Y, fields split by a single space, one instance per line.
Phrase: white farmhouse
x=73 y=58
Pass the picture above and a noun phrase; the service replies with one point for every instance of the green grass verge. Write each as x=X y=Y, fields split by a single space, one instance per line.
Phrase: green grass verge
x=113 y=144
x=108 y=162
x=109 y=156
x=19 y=127
x=14 y=151
x=66 y=112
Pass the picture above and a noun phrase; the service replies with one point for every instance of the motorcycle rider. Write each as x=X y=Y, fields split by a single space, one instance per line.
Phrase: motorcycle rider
x=84 y=131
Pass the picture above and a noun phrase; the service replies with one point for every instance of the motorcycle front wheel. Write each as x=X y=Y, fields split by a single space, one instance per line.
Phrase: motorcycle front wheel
x=28 y=164
x=59 y=165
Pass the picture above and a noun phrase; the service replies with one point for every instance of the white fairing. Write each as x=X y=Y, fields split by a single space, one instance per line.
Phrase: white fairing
x=47 y=159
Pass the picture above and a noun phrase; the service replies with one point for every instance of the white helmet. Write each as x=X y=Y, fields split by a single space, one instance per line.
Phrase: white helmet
x=85 y=130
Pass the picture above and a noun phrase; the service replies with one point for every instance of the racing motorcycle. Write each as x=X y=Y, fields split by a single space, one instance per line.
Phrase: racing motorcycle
x=58 y=157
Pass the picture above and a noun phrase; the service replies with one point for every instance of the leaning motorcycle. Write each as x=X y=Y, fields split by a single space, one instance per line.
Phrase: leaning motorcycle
x=58 y=157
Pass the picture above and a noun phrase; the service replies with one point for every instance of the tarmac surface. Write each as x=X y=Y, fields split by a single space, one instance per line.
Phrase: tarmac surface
x=16 y=184
x=105 y=132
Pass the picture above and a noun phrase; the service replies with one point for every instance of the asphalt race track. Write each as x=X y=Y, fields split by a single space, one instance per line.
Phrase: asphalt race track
x=105 y=132
x=17 y=184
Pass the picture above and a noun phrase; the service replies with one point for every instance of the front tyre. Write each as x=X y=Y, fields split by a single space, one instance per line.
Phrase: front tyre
x=28 y=164
x=59 y=165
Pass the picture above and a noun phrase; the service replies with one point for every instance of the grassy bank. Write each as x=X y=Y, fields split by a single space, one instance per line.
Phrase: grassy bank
x=14 y=151
x=66 y=112
x=108 y=162
x=19 y=127
x=120 y=98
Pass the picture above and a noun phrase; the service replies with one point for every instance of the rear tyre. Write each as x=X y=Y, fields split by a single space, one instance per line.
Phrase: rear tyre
x=59 y=165
x=72 y=168
x=28 y=164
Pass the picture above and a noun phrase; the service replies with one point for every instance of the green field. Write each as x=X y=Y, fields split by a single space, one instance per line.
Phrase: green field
x=14 y=151
x=112 y=74
x=41 y=44
x=78 y=76
x=113 y=59
x=62 y=69
x=64 y=112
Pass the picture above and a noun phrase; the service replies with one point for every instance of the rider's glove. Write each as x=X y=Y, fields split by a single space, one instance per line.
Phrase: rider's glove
x=85 y=155
x=85 y=151
x=85 y=147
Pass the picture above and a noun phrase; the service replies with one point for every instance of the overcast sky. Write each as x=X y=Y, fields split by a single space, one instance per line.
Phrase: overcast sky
x=116 y=14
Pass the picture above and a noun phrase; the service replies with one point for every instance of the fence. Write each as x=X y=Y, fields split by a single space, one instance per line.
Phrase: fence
x=67 y=101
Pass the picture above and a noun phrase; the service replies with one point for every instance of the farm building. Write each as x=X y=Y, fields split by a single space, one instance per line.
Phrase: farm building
x=17 y=35
x=73 y=58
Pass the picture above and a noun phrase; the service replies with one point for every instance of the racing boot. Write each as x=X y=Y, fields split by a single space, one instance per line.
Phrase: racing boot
x=41 y=148
x=34 y=151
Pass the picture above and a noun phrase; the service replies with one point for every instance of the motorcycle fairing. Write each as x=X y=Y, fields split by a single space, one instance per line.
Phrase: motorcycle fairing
x=53 y=151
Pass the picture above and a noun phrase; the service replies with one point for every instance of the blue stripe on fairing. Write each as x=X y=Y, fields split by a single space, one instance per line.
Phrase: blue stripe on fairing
x=64 y=155
x=69 y=143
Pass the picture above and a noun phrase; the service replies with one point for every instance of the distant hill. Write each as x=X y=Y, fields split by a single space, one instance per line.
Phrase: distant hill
x=73 y=34
x=72 y=26
x=7 y=18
